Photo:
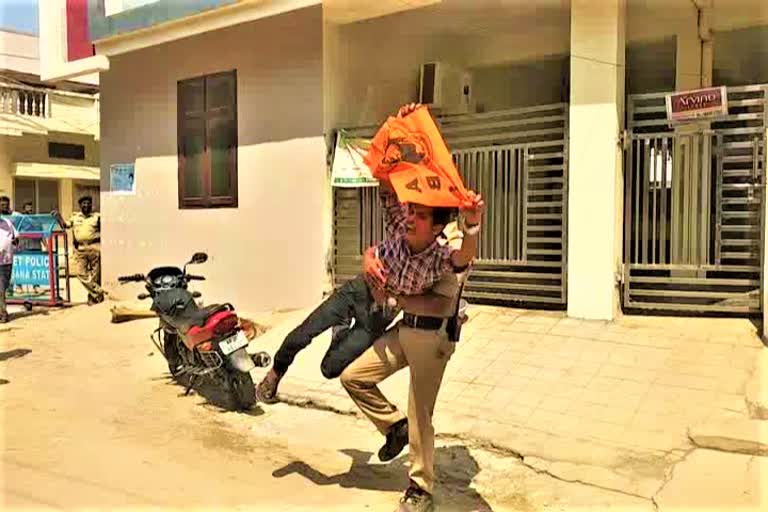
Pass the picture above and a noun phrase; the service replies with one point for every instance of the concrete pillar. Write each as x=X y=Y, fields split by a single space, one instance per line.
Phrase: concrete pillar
x=6 y=164
x=694 y=56
x=595 y=220
x=764 y=304
x=706 y=35
x=331 y=102
x=688 y=52
x=66 y=199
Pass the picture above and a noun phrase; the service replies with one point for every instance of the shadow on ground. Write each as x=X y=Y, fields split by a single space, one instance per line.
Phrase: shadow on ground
x=215 y=395
x=18 y=315
x=456 y=468
x=16 y=353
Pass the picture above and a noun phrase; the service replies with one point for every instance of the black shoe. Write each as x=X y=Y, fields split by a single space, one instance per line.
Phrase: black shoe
x=95 y=299
x=266 y=390
x=416 y=500
x=397 y=438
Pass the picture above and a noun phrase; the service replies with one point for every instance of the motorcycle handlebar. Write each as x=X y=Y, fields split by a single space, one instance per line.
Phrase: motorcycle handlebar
x=128 y=279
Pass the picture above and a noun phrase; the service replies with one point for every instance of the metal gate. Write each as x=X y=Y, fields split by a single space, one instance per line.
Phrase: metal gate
x=517 y=159
x=694 y=208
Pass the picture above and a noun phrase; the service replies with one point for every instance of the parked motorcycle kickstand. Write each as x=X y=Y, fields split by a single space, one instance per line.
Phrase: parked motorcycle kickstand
x=190 y=384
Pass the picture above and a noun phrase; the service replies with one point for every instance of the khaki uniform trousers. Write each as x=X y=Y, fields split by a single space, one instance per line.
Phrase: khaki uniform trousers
x=427 y=354
x=87 y=267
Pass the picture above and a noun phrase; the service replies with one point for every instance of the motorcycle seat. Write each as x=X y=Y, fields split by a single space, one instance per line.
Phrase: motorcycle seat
x=196 y=317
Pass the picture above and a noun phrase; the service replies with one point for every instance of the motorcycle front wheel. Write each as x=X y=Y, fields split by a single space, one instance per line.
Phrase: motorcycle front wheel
x=241 y=389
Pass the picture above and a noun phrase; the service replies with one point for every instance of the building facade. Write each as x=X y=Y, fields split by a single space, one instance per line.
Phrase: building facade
x=554 y=110
x=49 y=134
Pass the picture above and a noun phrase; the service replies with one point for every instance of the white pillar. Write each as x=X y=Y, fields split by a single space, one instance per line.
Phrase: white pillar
x=595 y=217
x=765 y=247
x=331 y=102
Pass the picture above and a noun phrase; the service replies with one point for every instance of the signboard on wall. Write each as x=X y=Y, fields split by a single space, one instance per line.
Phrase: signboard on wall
x=348 y=169
x=122 y=179
x=30 y=269
x=697 y=104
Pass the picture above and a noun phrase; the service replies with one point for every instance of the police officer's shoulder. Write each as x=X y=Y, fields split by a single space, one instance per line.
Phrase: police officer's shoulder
x=448 y=285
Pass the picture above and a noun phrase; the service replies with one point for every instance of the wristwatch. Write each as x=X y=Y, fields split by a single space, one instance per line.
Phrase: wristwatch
x=469 y=230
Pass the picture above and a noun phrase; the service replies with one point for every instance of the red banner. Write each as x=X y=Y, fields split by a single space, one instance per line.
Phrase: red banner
x=78 y=35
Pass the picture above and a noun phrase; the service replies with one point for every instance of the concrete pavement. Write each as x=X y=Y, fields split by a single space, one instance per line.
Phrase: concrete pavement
x=606 y=404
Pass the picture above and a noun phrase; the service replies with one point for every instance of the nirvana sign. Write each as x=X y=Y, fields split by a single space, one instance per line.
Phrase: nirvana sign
x=698 y=104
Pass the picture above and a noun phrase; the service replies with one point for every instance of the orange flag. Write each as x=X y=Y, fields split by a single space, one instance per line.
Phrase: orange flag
x=410 y=152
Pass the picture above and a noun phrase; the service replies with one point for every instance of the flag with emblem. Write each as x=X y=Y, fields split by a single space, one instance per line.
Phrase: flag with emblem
x=410 y=152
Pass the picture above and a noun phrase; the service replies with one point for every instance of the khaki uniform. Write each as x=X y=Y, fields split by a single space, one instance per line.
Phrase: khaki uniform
x=427 y=353
x=86 y=261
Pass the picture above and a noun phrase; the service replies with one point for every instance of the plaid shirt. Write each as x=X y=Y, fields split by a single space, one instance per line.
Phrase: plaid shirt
x=407 y=273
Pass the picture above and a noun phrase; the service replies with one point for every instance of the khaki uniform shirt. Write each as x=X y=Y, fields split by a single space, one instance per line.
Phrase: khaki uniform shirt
x=450 y=283
x=86 y=229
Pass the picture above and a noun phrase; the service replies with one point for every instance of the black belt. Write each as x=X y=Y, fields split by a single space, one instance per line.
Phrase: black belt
x=428 y=323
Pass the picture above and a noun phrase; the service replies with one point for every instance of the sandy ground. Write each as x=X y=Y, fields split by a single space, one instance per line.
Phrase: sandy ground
x=91 y=420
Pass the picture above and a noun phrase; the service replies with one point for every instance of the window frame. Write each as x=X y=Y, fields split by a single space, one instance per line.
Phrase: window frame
x=57 y=151
x=206 y=117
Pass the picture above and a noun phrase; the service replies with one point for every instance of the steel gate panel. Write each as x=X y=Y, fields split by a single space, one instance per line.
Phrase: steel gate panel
x=693 y=223
x=517 y=159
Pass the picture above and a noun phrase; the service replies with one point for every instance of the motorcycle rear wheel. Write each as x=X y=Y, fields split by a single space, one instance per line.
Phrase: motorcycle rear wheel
x=241 y=390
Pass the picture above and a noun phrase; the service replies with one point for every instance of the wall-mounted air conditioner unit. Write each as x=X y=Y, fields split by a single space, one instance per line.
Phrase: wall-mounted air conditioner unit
x=445 y=88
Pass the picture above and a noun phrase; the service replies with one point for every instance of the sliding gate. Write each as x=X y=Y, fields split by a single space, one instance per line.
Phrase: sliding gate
x=694 y=208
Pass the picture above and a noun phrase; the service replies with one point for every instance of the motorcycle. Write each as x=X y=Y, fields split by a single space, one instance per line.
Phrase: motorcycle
x=199 y=341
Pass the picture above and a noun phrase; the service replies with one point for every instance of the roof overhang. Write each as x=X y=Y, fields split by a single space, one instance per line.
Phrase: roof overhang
x=214 y=19
x=351 y=11
x=56 y=171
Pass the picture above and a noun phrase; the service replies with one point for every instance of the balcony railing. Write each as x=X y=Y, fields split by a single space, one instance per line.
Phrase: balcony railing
x=25 y=101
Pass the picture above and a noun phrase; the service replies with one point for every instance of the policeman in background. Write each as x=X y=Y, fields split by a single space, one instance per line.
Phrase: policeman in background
x=86 y=235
